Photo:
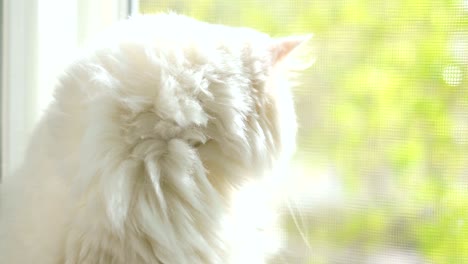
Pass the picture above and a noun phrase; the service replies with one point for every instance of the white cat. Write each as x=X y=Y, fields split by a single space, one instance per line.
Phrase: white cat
x=149 y=133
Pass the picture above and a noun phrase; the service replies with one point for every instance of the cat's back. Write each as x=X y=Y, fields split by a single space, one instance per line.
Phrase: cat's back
x=35 y=201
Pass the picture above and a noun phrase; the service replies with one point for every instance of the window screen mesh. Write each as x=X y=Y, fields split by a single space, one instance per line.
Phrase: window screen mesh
x=382 y=161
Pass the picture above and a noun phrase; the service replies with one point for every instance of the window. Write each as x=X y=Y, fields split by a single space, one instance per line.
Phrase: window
x=381 y=173
x=37 y=42
x=1 y=81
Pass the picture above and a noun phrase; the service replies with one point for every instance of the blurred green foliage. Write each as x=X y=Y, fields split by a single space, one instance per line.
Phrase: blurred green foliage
x=386 y=106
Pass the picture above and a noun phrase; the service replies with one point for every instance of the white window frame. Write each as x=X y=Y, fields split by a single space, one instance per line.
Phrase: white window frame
x=38 y=37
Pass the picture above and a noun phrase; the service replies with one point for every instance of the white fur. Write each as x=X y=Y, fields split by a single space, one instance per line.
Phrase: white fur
x=150 y=132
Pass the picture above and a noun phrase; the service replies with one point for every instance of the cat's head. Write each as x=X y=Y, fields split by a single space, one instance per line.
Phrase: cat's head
x=222 y=90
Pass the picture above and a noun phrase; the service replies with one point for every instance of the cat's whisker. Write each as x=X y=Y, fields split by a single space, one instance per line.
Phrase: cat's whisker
x=299 y=224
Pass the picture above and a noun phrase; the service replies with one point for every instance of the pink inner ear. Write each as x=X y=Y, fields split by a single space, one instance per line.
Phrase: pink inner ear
x=281 y=47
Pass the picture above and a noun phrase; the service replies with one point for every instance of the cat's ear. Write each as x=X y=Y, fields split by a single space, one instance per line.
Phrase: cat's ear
x=281 y=48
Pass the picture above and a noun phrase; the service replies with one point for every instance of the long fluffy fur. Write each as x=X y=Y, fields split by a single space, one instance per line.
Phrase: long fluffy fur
x=149 y=133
